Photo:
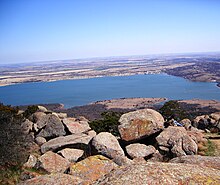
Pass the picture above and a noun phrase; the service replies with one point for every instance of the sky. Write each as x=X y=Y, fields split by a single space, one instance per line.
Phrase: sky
x=44 y=30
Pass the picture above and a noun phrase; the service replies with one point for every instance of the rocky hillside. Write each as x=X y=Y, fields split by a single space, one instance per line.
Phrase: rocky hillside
x=148 y=150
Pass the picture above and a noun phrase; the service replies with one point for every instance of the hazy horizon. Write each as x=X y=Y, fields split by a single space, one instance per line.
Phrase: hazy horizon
x=52 y=30
x=108 y=57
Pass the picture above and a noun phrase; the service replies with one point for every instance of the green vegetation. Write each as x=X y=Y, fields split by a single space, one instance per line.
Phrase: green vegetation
x=7 y=113
x=14 y=145
x=10 y=166
x=30 y=110
x=172 y=109
x=211 y=148
x=109 y=123
x=10 y=175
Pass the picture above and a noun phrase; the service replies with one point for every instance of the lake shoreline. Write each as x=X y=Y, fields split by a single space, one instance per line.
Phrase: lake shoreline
x=84 y=91
x=92 y=77
x=93 y=111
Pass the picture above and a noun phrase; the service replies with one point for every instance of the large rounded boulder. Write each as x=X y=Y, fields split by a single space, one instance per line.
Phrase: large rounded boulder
x=140 y=124
x=108 y=145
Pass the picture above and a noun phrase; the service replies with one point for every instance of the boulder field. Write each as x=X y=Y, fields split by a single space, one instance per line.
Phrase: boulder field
x=70 y=152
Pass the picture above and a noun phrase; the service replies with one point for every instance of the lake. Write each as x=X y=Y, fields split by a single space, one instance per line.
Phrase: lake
x=83 y=91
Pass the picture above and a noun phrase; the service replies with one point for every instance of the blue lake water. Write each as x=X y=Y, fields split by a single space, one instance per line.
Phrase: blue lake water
x=80 y=92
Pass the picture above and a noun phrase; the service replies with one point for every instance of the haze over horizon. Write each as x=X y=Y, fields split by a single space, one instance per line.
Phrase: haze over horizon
x=44 y=30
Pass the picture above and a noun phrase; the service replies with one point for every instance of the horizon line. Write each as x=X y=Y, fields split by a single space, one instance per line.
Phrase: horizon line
x=115 y=56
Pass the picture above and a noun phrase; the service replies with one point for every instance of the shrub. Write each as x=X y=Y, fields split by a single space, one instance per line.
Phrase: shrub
x=172 y=109
x=14 y=145
x=30 y=110
x=7 y=113
x=108 y=123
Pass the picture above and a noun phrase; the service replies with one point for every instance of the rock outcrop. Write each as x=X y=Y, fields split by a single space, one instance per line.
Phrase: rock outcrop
x=202 y=161
x=42 y=108
x=26 y=126
x=62 y=115
x=32 y=161
x=53 y=163
x=161 y=173
x=197 y=135
x=37 y=116
x=215 y=116
x=186 y=123
x=122 y=160
x=140 y=124
x=107 y=144
x=71 y=154
x=177 y=141
x=40 y=140
x=65 y=141
x=53 y=179
x=210 y=122
x=69 y=145
x=92 y=168
x=139 y=150
x=76 y=127
x=53 y=128
x=156 y=157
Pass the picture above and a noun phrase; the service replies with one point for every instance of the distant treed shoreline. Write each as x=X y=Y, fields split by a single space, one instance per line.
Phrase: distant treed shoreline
x=203 y=68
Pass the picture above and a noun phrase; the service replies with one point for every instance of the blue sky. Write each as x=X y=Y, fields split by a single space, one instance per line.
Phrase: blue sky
x=41 y=30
